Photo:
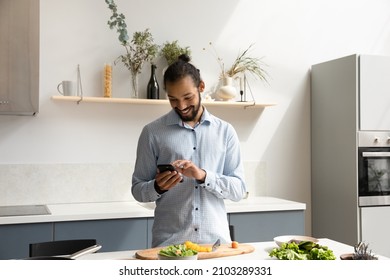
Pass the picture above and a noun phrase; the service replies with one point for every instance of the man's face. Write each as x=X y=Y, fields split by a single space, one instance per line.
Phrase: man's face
x=184 y=98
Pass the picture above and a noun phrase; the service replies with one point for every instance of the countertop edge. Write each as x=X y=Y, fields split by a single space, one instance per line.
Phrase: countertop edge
x=133 y=210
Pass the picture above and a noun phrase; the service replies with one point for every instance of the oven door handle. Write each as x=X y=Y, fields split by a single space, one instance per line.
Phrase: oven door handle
x=376 y=154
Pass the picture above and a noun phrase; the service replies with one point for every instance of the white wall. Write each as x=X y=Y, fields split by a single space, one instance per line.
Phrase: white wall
x=63 y=138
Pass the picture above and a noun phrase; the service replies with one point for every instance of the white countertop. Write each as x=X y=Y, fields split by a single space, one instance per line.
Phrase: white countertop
x=132 y=209
x=261 y=252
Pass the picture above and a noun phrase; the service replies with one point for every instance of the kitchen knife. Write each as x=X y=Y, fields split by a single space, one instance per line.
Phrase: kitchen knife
x=216 y=245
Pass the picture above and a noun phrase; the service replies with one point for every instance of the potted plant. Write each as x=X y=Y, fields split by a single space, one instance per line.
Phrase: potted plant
x=245 y=63
x=141 y=48
x=172 y=50
x=241 y=65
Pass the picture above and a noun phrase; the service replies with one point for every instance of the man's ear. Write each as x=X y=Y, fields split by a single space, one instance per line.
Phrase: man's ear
x=201 y=86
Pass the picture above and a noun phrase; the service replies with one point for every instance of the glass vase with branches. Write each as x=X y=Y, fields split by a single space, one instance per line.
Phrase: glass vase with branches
x=141 y=48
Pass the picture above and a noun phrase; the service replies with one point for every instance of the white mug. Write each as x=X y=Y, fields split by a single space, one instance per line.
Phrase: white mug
x=67 y=88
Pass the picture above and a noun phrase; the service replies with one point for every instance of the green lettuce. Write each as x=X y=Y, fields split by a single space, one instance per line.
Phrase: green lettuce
x=179 y=250
x=305 y=250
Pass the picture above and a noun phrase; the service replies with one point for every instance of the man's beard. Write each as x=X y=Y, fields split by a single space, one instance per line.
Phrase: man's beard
x=192 y=116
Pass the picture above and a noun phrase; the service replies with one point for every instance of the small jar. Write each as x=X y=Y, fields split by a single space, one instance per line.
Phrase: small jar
x=107 y=80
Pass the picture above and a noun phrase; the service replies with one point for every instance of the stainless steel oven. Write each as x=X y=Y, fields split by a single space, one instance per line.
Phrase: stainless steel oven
x=374 y=168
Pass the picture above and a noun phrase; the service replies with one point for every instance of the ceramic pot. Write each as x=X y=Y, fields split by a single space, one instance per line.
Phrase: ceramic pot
x=227 y=91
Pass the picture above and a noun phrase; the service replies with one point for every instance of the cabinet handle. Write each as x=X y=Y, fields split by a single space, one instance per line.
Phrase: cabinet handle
x=376 y=154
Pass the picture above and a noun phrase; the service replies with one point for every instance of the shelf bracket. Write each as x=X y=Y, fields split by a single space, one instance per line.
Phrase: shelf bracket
x=250 y=105
x=245 y=84
x=81 y=99
x=79 y=85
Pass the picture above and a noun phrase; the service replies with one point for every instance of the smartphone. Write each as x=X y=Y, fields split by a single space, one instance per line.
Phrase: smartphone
x=165 y=167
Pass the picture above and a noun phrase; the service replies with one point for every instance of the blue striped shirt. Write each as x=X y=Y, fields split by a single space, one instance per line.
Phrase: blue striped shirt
x=191 y=210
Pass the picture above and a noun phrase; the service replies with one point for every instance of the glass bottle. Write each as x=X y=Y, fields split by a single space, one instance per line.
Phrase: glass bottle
x=153 y=88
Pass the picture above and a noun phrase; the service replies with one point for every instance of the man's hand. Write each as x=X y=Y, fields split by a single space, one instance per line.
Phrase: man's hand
x=167 y=179
x=189 y=169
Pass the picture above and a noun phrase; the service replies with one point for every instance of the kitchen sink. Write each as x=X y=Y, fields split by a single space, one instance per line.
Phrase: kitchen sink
x=23 y=210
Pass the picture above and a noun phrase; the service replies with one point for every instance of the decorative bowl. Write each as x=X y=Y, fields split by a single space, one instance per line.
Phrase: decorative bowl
x=346 y=256
x=279 y=240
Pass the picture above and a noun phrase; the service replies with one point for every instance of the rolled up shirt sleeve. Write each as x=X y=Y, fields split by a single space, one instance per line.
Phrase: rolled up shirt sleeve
x=230 y=183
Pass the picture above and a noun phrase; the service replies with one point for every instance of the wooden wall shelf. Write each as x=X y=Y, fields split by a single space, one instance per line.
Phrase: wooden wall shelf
x=134 y=101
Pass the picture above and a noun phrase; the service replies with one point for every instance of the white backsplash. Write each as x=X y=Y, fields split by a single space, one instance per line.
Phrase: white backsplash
x=26 y=184
x=255 y=177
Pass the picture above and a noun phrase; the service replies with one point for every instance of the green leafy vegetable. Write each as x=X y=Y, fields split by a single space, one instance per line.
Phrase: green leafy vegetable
x=179 y=250
x=305 y=250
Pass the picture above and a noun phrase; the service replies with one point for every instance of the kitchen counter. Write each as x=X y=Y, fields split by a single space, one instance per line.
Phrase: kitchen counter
x=261 y=252
x=132 y=209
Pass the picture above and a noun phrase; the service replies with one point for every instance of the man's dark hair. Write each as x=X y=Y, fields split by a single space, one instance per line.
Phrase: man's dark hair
x=180 y=69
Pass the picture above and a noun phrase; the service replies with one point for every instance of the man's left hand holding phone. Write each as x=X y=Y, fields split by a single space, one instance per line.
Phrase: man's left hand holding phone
x=167 y=177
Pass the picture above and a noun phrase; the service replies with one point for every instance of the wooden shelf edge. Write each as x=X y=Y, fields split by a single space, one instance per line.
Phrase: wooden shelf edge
x=236 y=104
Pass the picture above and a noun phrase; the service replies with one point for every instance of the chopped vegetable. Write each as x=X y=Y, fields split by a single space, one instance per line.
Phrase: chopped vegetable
x=305 y=250
x=197 y=247
x=234 y=244
x=179 y=250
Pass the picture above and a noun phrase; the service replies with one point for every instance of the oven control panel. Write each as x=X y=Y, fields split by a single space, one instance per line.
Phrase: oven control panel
x=374 y=138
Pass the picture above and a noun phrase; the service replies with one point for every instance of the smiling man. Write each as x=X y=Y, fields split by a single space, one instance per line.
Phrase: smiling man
x=205 y=153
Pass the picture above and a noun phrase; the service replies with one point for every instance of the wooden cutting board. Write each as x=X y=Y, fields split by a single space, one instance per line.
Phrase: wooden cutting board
x=224 y=250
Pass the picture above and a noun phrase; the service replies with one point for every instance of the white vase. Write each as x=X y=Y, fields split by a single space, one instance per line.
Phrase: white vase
x=227 y=91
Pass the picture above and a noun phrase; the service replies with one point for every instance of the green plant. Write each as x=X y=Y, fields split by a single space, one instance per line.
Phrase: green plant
x=242 y=64
x=172 y=50
x=362 y=252
x=140 y=49
x=118 y=21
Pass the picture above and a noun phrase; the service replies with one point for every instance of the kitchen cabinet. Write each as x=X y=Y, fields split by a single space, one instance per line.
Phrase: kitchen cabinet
x=376 y=229
x=15 y=239
x=112 y=234
x=19 y=57
x=349 y=98
x=334 y=128
x=136 y=233
x=264 y=226
x=259 y=226
x=149 y=230
x=374 y=85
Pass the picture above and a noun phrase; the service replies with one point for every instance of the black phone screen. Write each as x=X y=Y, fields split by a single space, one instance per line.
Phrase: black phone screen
x=165 y=167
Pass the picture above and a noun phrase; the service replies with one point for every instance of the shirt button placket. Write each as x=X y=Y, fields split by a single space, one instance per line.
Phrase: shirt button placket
x=196 y=212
